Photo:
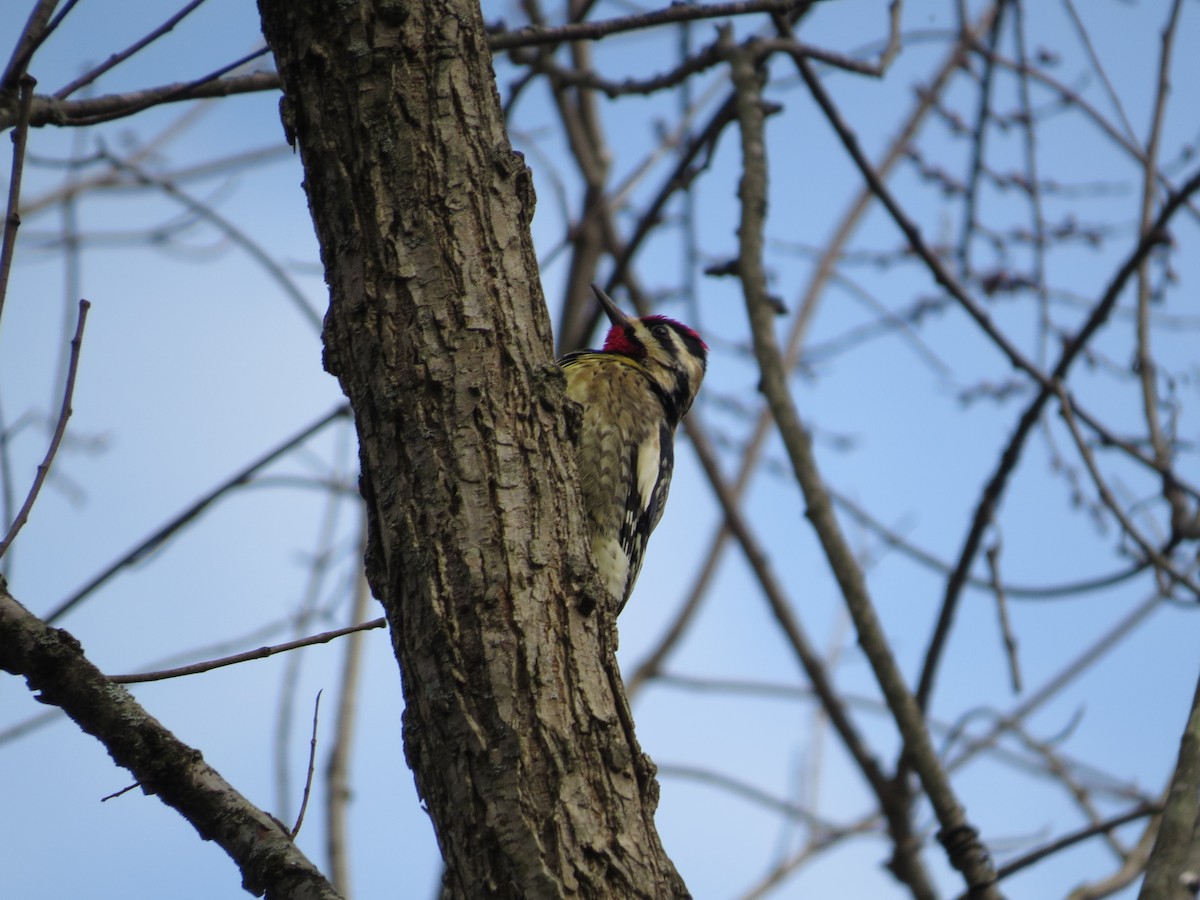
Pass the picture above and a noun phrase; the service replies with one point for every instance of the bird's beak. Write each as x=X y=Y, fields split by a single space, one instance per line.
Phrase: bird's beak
x=610 y=308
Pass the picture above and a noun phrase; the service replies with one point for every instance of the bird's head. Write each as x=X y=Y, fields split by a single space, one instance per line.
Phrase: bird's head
x=675 y=355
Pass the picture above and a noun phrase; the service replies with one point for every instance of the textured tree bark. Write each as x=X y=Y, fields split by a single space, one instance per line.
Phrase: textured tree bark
x=516 y=725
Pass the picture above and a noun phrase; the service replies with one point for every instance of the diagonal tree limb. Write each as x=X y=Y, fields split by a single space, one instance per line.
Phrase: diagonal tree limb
x=37 y=29
x=54 y=665
x=257 y=653
x=959 y=838
x=192 y=512
x=990 y=499
x=906 y=863
x=117 y=58
x=843 y=231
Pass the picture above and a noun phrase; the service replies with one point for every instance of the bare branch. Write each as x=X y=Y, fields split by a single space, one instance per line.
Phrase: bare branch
x=117 y=58
x=259 y=653
x=192 y=512
x=1161 y=563
x=53 y=664
x=1011 y=455
x=106 y=108
x=59 y=430
x=747 y=792
x=312 y=766
x=12 y=216
x=37 y=29
x=1010 y=641
x=1147 y=369
x=534 y=35
x=1141 y=811
x=959 y=838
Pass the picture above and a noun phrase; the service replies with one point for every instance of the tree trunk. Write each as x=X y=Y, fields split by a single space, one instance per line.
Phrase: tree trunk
x=516 y=724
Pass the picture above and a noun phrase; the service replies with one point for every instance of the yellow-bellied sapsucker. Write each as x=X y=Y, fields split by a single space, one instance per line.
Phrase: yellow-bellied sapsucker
x=633 y=392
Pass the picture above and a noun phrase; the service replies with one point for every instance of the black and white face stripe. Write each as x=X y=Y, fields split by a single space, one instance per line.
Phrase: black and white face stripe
x=691 y=344
x=676 y=359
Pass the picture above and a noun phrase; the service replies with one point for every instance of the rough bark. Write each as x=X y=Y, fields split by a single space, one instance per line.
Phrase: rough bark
x=516 y=726
x=1173 y=871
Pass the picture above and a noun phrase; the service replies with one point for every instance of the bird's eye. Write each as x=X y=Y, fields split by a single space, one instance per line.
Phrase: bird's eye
x=659 y=331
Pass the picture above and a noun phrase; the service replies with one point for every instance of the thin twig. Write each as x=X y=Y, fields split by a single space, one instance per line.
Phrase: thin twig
x=1067 y=97
x=55 y=668
x=306 y=610
x=1073 y=782
x=1054 y=685
x=60 y=429
x=26 y=726
x=260 y=653
x=35 y=31
x=230 y=230
x=1160 y=562
x=312 y=767
x=143 y=100
x=747 y=792
x=7 y=498
x=983 y=115
x=117 y=58
x=1147 y=369
x=593 y=31
x=1132 y=868
x=1141 y=811
x=1017 y=591
x=190 y=513
x=115 y=794
x=816 y=844
x=113 y=179
x=1094 y=59
x=12 y=216
x=1010 y=642
x=1103 y=781
x=1037 y=223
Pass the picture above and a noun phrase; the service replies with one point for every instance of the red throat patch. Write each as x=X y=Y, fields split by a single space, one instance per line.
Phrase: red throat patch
x=618 y=341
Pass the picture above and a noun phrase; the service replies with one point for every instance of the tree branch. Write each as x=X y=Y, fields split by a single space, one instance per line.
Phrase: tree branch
x=259 y=653
x=59 y=430
x=12 y=216
x=192 y=512
x=676 y=12
x=54 y=666
x=958 y=837
x=49 y=110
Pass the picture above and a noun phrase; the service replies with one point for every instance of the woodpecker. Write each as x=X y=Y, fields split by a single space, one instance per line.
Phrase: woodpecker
x=633 y=392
